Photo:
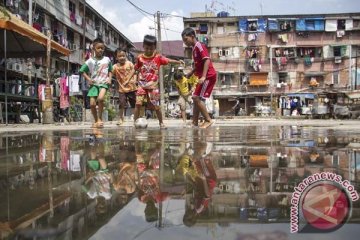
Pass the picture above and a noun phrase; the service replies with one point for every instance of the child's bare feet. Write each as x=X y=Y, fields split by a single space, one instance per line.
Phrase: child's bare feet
x=162 y=126
x=207 y=124
x=100 y=124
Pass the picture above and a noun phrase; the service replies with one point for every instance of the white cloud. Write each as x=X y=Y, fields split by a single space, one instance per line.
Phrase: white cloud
x=145 y=25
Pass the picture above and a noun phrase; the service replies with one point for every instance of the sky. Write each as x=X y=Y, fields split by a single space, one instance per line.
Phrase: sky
x=134 y=24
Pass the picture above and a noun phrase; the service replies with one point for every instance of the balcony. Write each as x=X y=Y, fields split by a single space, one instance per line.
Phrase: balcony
x=61 y=12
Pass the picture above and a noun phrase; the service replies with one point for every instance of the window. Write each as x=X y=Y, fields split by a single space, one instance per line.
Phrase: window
x=231 y=24
x=282 y=77
x=203 y=28
x=309 y=52
x=225 y=78
x=284 y=52
x=220 y=28
x=243 y=78
x=70 y=36
x=335 y=78
x=335 y=160
x=252 y=25
x=192 y=25
x=72 y=7
x=337 y=51
x=285 y=26
x=341 y=24
x=310 y=24
x=252 y=52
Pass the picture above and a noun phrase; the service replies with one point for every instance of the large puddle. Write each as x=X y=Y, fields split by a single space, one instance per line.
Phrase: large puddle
x=219 y=183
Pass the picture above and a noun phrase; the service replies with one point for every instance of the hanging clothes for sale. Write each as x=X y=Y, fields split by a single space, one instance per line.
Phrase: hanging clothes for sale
x=41 y=92
x=74 y=85
x=64 y=93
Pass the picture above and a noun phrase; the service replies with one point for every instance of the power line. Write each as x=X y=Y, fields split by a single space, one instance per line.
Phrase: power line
x=138 y=8
x=142 y=11
x=167 y=39
x=171 y=15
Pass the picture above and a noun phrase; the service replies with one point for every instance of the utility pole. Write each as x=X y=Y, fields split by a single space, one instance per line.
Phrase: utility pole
x=47 y=104
x=161 y=78
x=271 y=80
x=30 y=13
x=84 y=53
x=29 y=64
x=356 y=60
x=350 y=82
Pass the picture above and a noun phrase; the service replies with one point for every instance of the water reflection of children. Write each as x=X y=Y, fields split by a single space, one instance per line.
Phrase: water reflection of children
x=98 y=180
x=199 y=172
x=148 y=165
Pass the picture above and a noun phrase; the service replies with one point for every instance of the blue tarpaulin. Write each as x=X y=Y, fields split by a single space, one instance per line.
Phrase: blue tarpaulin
x=319 y=25
x=310 y=24
x=243 y=25
x=261 y=25
x=300 y=25
x=273 y=24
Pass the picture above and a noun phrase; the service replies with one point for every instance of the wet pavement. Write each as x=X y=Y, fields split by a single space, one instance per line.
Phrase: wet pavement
x=225 y=182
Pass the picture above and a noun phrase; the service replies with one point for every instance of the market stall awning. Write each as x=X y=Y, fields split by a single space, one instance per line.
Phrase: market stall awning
x=353 y=95
x=22 y=40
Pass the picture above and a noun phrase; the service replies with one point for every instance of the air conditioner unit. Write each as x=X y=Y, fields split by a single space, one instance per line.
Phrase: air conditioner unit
x=73 y=46
x=337 y=59
x=220 y=52
x=9 y=65
x=17 y=67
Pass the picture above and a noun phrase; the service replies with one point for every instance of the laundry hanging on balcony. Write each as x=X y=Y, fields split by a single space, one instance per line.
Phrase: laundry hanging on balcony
x=252 y=37
x=255 y=64
x=283 y=37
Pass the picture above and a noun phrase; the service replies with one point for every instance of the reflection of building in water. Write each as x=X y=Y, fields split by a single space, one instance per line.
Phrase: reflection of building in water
x=47 y=193
x=256 y=183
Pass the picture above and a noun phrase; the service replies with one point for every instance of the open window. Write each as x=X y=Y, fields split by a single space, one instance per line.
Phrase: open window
x=337 y=51
x=285 y=52
x=341 y=24
x=252 y=25
x=226 y=78
x=203 y=28
x=285 y=25
x=315 y=52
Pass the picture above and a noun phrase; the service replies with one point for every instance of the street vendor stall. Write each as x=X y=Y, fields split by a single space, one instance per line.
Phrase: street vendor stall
x=20 y=40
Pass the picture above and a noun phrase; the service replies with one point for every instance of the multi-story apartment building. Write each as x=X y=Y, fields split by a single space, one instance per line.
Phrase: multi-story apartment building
x=69 y=21
x=73 y=24
x=275 y=59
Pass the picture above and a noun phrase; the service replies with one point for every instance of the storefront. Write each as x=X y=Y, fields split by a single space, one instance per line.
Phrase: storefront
x=301 y=102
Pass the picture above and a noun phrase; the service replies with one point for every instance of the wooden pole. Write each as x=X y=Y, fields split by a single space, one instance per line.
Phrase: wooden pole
x=47 y=104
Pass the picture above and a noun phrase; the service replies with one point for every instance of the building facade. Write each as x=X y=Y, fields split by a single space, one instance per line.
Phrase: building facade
x=73 y=24
x=272 y=60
